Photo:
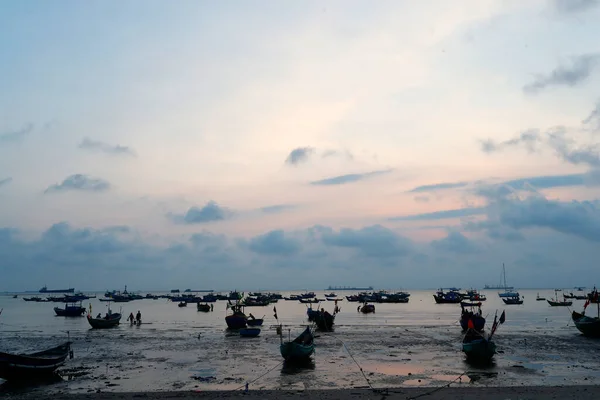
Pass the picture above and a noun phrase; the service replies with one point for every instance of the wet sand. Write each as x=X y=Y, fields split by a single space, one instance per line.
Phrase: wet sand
x=473 y=393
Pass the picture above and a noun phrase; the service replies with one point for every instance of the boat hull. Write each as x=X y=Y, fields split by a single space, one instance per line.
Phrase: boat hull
x=480 y=350
x=255 y=322
x=32 y=366
x=560 y=303
x=478 y=323
x=235 y=321
x=102 y=323
x=446 y=300
x=588 y=326
x=69 y=312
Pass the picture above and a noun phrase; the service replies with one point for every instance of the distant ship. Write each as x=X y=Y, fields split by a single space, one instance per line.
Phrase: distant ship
x=349 y=288
x=499 y=287
x=46 y=290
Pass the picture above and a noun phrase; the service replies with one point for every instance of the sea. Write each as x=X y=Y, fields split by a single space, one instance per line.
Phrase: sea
x=401 y=345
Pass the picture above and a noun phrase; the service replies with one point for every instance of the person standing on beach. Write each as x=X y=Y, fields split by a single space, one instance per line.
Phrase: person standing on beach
x=138 y=317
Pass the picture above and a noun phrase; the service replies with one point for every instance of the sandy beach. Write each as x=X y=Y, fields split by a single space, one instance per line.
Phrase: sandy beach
x=475 y=393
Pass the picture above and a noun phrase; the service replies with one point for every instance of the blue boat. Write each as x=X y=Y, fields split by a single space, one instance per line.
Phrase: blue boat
x=249 y=332
x=452 y=296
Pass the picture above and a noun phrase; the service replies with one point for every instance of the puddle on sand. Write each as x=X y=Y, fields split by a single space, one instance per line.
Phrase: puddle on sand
x=395 y=369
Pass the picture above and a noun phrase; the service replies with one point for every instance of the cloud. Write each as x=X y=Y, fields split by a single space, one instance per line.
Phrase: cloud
x=338 y=153
x=372 y=241
x=445 y=214
x=299 y=155
x=528 y=139
x=5 y=181
x=494 y=230
x=92 y=145
x=578 y=70
x=421 y=199
x=574 y=6
x=277 y=208
x=16 y=136
x=593 y=119
x=438 y=186
x=455 y=242
x=79 y=182
x=576 y=218
x=211 y=212
x=349 y=178
x=274 y=243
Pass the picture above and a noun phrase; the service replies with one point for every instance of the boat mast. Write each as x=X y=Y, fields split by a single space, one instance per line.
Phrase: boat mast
x=504 y=273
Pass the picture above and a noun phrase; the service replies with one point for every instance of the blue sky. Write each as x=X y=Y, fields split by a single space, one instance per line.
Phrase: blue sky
x=425 y=142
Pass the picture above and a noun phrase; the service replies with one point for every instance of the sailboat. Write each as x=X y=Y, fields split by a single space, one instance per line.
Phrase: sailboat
x=589 y=326
x=557 y=303
x=509 y=296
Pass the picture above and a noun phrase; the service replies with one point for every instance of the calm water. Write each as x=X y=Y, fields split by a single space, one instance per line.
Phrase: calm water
x=417 y=343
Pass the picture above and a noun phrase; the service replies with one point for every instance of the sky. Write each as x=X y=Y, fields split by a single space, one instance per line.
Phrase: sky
x=296 y=145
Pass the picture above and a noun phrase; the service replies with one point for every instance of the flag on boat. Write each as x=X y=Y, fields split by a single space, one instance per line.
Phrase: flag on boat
x=503 y=317
x=470 y=324
x=587 y=303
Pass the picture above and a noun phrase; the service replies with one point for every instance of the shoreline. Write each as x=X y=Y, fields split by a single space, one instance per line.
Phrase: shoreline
x=466 y=393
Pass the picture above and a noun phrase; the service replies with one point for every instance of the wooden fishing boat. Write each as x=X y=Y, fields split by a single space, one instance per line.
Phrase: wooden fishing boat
x=589 y=326
x=477 y=347
x=558 y=303
x=71 y=310
x=514 y=300
x=249 y=332
x=203 y=307
x=472 y=319
x=300 y=348
x=109 y=321
x=237 y=319
x=367 y=309
x=538 y=298
x=321 y=318
x=308 y=301
x=450 y=297
x=253 y=321
x=35 y=365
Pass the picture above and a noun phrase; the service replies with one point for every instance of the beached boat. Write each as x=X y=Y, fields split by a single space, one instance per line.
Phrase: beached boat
x=35 y=365
x=203 y=307
x=323 y=319
x=300 y=348
x=367 y=308
x=308 y=301
x=249 y=332
x=237 y=319
x=251 y=320
x=70 y=310
x=471 y=317
x=477 y=347
x=589 y=326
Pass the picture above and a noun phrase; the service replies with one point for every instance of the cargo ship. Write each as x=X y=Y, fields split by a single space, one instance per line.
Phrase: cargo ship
x=46 y=290
x=349 y=288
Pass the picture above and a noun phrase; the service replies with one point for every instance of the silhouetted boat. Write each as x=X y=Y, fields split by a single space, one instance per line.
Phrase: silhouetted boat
x=237 y=318
x=558 y=303
x=300 y=348
x=479 y=348
x=367 y=308
x=450 y=297
x=589 y=326
x=470 y=319
x=71 y=310
x=203 y=307
x=538 y=298
x=514 y=300
x=46 y=290
x=109 y=321
x=35 y=365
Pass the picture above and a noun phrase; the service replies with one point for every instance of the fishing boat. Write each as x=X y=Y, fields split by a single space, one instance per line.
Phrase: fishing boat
x=323 y=319
x=182 y=304
x=71 y=310
x=298 y=349
x=308 y=301
x=249 y=332
x=558 y=303
x=538 y=298
x=35 y=365
x=449 y=297
x=469 y=304
x=589 y=326
x=513 y=300
x=203 y=307
x=367 y=308
x=471 y=317
x=477 y=347
x=237 y=319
